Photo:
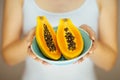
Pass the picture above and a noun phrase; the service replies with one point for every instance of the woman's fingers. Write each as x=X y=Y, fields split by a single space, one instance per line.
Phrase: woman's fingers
x=93 y=38
x=30 y=36
x=39 y=60
x=86 y=56
x=89 y=53
x=45 y=63
x=31 y=53
x=35 y=57
x=89 y=30
x=81 y=60
x=93 y=46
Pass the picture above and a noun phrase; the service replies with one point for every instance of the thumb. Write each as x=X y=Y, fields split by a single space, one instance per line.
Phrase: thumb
x=29 y=37
x=31 y=34
x=89 y=31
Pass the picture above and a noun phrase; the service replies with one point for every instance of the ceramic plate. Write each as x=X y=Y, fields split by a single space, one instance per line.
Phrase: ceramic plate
x=62 y=60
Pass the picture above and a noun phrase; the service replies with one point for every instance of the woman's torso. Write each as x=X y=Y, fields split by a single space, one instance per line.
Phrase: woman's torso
x=88 y=14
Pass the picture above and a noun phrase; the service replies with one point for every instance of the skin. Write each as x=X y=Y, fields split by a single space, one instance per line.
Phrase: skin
x=15 y=49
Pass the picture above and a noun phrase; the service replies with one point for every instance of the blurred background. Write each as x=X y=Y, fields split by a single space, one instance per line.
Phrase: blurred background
x=15 y=73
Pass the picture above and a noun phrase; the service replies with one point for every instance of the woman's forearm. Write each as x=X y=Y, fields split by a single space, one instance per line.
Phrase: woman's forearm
x=15 y=52
x=104 y=56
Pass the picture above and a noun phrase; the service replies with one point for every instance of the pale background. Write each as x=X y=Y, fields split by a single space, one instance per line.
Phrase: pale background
x=14 y=73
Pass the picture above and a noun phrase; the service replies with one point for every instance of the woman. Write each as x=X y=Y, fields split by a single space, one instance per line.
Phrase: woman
x=20 y=17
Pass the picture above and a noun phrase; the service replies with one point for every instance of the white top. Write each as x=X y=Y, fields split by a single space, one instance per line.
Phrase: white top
x=87 y=14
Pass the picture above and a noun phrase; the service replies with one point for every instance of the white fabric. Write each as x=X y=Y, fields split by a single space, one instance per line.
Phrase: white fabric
x=87 y=14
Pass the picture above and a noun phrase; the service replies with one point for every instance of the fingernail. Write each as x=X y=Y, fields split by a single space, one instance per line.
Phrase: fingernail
x=29 y=43
x=93 y=38
x=91 y=52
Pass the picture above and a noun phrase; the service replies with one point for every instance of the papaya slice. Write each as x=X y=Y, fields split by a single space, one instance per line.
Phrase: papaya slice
x=69 y=39
x=46 y=39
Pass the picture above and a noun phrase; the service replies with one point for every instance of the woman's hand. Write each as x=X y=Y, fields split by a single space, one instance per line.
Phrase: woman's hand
x=92 y=37
x=29 y=39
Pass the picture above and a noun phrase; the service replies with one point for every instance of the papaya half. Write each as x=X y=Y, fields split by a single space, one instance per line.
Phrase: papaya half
x=69 y=39
x=46 y=39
